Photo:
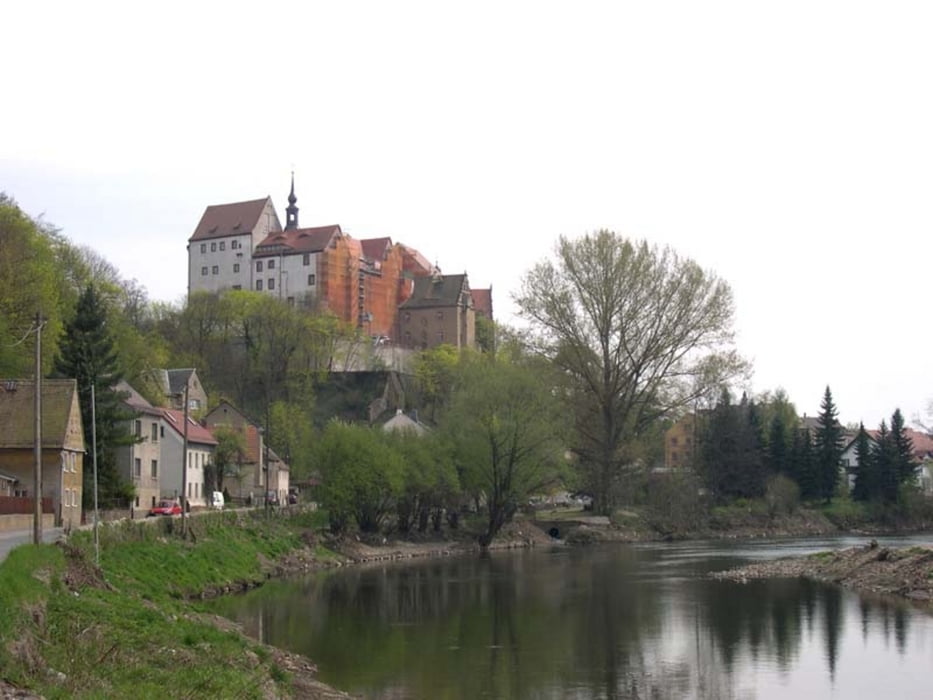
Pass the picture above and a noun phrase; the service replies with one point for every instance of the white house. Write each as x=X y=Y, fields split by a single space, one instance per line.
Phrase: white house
x=923 y=454
x=201 y=444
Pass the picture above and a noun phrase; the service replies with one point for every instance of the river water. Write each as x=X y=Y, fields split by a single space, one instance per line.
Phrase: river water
x=620 y=621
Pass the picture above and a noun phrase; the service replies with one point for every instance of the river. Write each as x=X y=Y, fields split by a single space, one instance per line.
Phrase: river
x=620 y=621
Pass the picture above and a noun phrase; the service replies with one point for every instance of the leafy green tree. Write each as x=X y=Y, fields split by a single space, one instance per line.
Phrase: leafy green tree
x=828 y=447
x=29 y=284
x=505 y=425
x=638 y=332
x=227 y=458
x=87 y=354
x=430 y=481
x=867 y=485
x=361 y=475
x=435 y=370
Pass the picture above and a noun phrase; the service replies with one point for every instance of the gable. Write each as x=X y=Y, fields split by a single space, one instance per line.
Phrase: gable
x=235 y=219
x=61 y=414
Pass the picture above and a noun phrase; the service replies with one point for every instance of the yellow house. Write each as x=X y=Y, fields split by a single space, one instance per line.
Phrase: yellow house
x=680 y=444
x=62 y=452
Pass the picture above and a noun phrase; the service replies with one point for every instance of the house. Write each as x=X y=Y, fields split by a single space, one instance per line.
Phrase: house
x=140 y=463
x=680 y=444
x=401 y=423
x=174 y=433
x=172 y=384
x=922 y=452
x=440 y=311
x=62 y=449
x=261 y=469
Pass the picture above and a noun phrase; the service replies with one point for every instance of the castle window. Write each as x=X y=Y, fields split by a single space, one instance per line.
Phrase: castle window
x=215 y=270
x=271 y=265
x=306 y=259
x=258 y=285
x=311 y=280
x=204 y=247
x=222 y=245
x=213 y=247
x=204 y=270
x=259 y=266
x=271 y=283
x=236 y=267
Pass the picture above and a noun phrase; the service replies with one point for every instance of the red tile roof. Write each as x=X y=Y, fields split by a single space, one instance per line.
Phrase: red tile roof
x=299 y=240
x=234 y=219
x=923 y=443
x=376 y=248
x=196 y=432
x=482 y=301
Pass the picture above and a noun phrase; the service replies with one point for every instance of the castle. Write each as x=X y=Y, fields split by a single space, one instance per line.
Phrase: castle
x=387 y=290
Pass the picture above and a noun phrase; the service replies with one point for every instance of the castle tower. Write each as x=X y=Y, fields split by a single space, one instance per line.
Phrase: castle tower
x=291 y=212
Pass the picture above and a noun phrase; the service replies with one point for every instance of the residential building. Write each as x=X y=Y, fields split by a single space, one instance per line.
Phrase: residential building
x=440 y=311
x=200 y=448
x=922 y=453
x=172 y=383
x=680 y=444
x=141 y=462
x=62 y=450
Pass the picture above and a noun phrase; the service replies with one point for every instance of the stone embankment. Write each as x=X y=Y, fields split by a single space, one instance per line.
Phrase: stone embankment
x=903 y=572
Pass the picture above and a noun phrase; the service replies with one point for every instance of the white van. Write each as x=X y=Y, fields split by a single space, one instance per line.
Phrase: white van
x=217 y=500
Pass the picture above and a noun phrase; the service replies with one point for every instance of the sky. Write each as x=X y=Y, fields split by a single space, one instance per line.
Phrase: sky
x=786 y=147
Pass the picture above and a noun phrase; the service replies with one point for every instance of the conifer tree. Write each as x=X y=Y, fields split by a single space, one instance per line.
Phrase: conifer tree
x=802 y=462
x=883 y=456
x=905 y=466
x=778 y=457
x=86 y=353
x=867 y=485
x=827 y=448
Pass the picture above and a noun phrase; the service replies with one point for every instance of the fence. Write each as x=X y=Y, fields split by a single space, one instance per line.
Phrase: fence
x=16 y=505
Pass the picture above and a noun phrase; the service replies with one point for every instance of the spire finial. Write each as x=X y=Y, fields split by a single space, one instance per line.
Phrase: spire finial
x=291 y=212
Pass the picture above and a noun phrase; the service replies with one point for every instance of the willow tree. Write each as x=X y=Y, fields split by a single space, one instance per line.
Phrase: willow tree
x=637 y=331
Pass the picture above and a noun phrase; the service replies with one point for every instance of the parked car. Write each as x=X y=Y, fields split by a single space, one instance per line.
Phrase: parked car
x=166 y=508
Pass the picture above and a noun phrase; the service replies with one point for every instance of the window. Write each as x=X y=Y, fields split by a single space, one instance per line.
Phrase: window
x=259 y=266
x=215 y=270
x=204 y=247
x=306 y=259
x=258 y=285
x=674 y=441
x=155 y=432
x=408 y=315
x=204 y=270
x=137 y=467
x=271 y=283
x=236 y=267
x=440 y=315
x=222 y=245
x=138 y=428
x=213 y=247
x=234 y=245
x=162 y=430
x=238 y=286
x=291 y=301
x=311 y=280
x=440 y=337
x=271 y=265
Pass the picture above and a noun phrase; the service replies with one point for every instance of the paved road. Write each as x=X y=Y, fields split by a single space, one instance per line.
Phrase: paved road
x=14 y=538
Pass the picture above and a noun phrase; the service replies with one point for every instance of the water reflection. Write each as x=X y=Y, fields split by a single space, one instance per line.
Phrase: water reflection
x=619 y=622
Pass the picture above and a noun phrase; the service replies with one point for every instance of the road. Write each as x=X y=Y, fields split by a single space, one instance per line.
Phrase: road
x=14 y=538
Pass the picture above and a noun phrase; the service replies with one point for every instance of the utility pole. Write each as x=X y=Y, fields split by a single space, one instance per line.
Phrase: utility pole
x=37 y=501
x=184 y=468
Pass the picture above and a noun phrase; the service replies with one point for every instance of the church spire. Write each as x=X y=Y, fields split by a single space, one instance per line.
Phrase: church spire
x=291 y=212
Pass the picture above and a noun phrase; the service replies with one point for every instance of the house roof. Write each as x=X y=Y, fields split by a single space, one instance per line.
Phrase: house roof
x=400 y=423
x=216 y=417
x=414 y=262
x=299 y=240
x=437 y=291
x=922 y=443
x=17 y=412
x=175 y=419
x=238 y=218
x=178 y=379
x=376 y=248
x=137 y=401
x=482 y=301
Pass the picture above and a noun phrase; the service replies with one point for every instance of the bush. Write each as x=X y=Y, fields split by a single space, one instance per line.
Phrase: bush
x=782 y=496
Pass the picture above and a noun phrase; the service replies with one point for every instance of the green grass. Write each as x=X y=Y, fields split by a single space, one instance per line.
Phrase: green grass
x=138 y=635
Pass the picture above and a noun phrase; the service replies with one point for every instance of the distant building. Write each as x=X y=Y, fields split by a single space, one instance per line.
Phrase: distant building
x=363 y=282
x=141 y=462
x=680 y=444
x=171 y=384
x=201 y=444
x=439 y=312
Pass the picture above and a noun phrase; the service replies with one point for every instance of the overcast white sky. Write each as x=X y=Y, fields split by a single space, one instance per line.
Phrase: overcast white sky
x=788 y=147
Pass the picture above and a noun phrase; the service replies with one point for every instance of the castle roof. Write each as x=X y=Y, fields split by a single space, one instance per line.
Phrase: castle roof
x=237 y=218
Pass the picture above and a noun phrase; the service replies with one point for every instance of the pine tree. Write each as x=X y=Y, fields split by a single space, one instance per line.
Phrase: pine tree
x=905 y=466
x=732 y=453
x=828 y=446
x=883 y=456
x=867 y=485
x=802 y=462
x=86 y=353
x=778 y=457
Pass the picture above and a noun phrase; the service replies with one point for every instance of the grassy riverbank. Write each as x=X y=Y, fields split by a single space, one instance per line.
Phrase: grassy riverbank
x=133 y=628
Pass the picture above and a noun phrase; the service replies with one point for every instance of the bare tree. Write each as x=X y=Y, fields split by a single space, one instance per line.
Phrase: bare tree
x=637 y=331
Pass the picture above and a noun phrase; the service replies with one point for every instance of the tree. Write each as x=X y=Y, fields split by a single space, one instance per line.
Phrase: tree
x=87 y=355
x=885 y=463
x=867 y=484
x=802 y=462
x=733 y=458
x=905 y=465
x=637 y=332
x=828 y=447
x=505 y=425
x=361 y=475
x=228 y=457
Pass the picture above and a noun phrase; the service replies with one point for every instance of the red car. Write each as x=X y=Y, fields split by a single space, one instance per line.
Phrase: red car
x=166 y=508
